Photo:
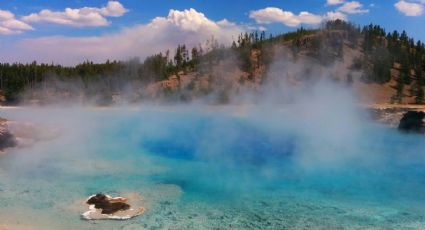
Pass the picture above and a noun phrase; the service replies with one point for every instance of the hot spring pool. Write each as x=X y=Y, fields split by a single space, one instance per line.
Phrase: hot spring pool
x=206 y=169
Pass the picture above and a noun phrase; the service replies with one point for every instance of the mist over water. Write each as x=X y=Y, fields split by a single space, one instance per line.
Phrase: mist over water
x=317 y=162
x=296 y=156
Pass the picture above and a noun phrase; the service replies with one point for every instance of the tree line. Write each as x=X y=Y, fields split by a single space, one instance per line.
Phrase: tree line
x=382 y=50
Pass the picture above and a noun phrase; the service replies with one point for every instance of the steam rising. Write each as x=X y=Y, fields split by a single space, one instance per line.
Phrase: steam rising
x=300 y=98
x=302 y=130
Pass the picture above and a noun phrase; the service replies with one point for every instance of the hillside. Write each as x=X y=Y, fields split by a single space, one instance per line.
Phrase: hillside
x=382 y=68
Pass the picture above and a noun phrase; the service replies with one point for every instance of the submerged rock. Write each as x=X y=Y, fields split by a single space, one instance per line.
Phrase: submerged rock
x=413 y=121
x=102 y=206
x=7 y=140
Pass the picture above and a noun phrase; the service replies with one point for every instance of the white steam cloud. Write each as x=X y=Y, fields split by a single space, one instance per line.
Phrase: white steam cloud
x=299 y=111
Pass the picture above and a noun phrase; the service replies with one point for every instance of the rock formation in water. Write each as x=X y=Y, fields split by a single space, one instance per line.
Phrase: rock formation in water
x=413 y=121
x=106 y=204
x=7 y=140
x=102 y=207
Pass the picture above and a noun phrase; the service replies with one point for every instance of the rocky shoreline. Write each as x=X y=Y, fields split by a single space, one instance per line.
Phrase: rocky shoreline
x=404 y=119
x=22 y=134
x=7 y=139
x=413 y=122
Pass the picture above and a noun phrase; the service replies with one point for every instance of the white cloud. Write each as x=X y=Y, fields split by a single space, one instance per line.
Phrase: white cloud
x=262 y=28
x=112 y=9
x=352 y=7
x=335 y=16
x=308 y=18
x=6 y=15
x=188 y=26
x=334 y=2
x=410 y=8
x=272 y=15
x=86 y=16
x=189 y=20
x=10 y=25
x=275 y=15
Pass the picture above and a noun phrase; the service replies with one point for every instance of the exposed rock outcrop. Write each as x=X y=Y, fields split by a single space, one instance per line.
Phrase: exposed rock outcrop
x=413 y=122
x=7 y=140
x=23 y=134
x=103 y=206
x=107 y=204
x=389 y=116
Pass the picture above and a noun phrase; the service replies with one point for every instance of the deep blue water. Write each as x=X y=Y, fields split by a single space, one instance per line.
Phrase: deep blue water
x=216 y=170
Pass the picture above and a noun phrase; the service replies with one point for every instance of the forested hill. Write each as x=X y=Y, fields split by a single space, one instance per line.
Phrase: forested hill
x=387 y=67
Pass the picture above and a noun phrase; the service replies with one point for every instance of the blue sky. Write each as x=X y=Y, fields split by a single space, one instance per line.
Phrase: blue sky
x=26 y=33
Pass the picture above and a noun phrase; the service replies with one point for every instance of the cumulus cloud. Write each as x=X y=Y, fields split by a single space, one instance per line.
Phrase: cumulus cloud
x=353 y=7
x=10 y=25
x=308 y=18
x=410 y=8
x=335 y=15
x=334 y=2
x=275 y=15
x=188 y=26
x=272 y=15
x=189 y=20
x=86 y=16
x=112 y=9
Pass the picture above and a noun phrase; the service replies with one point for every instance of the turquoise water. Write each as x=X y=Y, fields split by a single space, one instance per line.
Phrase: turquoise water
x=213 y=169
